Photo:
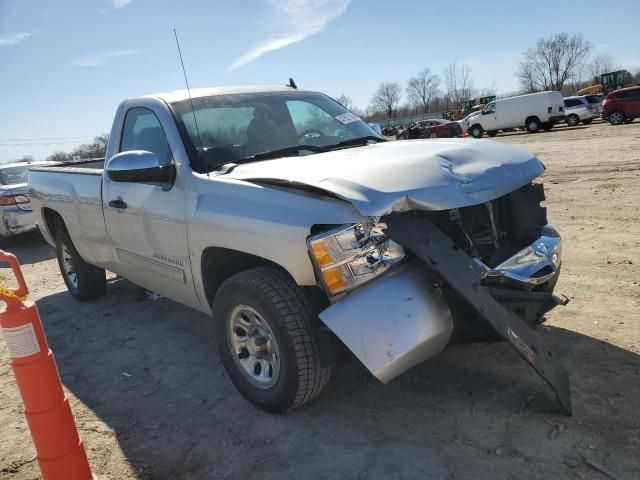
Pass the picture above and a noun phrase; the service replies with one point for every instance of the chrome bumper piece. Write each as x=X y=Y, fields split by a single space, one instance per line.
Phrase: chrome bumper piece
x=534 y=265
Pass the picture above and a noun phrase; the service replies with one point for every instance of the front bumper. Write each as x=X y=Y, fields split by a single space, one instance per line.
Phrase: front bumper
x=402 y=318
x=16 y=221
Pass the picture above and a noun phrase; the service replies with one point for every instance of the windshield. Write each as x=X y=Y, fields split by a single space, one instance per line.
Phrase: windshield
x=238 y=126
x=13 y=175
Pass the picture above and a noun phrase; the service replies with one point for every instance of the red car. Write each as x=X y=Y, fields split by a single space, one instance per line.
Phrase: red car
x=432 y=128
x=622 y=106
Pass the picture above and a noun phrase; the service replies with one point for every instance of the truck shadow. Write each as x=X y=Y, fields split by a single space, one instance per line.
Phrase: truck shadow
x=149 y=371
x=30 y=248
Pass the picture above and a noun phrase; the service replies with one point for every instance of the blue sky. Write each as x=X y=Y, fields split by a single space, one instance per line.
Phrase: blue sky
x=66 y=65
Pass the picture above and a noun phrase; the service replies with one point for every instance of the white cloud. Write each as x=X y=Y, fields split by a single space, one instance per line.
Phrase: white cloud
x=99 y=59
x=13 y=38
x=119 y=3
x=294 y=20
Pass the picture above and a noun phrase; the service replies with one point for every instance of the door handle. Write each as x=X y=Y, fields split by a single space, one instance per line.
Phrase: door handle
x=119 y=204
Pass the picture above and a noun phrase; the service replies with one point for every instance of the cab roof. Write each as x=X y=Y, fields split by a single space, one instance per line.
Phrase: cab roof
x=180 y=95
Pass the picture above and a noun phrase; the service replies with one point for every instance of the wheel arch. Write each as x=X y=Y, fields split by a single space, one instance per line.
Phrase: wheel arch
x=217 y=264
x=53 y=222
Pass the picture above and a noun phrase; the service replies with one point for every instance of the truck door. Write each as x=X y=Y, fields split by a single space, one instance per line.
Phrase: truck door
x=489 y=118
x=146 y=223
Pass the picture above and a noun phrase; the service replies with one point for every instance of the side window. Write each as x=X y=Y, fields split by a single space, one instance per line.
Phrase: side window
x=142 y=131
x=491 y=108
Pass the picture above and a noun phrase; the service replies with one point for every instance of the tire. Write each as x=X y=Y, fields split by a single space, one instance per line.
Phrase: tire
x=616 y=117
x=433 y=135
x=262 y=317
x=84 y=281
x=492 y=133
x=588 y=121
x=573 y=120
x=476 y=131
x=532 y=124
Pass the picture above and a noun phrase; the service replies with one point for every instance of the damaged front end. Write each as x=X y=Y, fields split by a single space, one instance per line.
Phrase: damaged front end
x=495 y=262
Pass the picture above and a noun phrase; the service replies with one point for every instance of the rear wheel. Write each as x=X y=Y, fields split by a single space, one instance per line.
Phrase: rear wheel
x=266 y=334
x=573 y=120
x=476 y=131
x=532 y=124
x=616 y=118
x=84 y=281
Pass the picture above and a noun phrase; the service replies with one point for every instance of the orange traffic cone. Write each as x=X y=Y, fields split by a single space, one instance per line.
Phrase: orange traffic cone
x=60 y=453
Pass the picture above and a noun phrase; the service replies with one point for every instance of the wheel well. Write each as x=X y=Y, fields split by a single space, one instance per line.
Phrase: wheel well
x=218 y=264
x=531 y=117
x=53 y=221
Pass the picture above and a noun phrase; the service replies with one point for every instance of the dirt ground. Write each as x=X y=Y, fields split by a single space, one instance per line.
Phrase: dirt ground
x=152 y=401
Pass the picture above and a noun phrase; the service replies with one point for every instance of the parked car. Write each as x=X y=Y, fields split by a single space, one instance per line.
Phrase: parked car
x=534 y=112
x=16 y=214
x=621 y=106
x=578 y=109
x=432 y=128
x=293 y=238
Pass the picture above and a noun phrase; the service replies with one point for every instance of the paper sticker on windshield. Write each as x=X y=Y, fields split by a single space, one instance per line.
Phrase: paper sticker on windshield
x=347 y=118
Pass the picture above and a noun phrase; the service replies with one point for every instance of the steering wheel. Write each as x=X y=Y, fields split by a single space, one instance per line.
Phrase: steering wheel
x=310 y=133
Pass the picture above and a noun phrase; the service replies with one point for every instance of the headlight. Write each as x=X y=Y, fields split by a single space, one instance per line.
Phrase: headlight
x=347 y=257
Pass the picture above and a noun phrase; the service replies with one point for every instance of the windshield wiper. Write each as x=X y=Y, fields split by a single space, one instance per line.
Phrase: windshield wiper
x=280 y=152
x=355 y=142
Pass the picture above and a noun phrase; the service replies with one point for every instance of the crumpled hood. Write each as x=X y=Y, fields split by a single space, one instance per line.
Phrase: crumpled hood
x=405 y=175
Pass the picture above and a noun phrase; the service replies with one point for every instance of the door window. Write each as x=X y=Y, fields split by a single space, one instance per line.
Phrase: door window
x=491 y=108
x=142 y=131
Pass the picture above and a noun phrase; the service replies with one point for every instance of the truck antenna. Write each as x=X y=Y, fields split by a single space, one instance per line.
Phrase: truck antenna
x=184 y=71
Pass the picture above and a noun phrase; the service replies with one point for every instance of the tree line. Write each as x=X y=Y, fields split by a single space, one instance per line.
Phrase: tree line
x=560 y=62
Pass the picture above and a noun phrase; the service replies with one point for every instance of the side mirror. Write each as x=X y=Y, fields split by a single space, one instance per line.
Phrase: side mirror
x=139 y=166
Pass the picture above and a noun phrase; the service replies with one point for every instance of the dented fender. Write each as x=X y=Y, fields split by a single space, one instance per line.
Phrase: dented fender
x=392 y=323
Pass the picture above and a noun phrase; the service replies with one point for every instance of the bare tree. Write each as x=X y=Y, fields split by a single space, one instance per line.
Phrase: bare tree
x=422 y=88
x=387 y=97
x=345 y=101
x=601 y=64
x=459 y=83
x=553 y=62
x=95 y=149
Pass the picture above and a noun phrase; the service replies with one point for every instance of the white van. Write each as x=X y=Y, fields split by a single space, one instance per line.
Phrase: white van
x=534 y=111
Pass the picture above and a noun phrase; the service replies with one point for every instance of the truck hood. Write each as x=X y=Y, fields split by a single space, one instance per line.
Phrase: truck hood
x=405 y=175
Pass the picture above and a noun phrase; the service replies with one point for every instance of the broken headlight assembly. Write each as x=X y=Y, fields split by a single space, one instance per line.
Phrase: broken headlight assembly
x=350 y=256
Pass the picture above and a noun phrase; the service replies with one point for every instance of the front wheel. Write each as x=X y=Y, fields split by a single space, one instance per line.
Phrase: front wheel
x=476 y=131
x=266 y=334
x=616 y=118
x=84 y=281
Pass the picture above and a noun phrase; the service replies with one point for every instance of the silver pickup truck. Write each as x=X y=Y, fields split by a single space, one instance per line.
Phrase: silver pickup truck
x=301 y=231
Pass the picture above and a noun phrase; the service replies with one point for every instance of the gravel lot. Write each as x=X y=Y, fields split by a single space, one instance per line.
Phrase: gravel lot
x=152 y=401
